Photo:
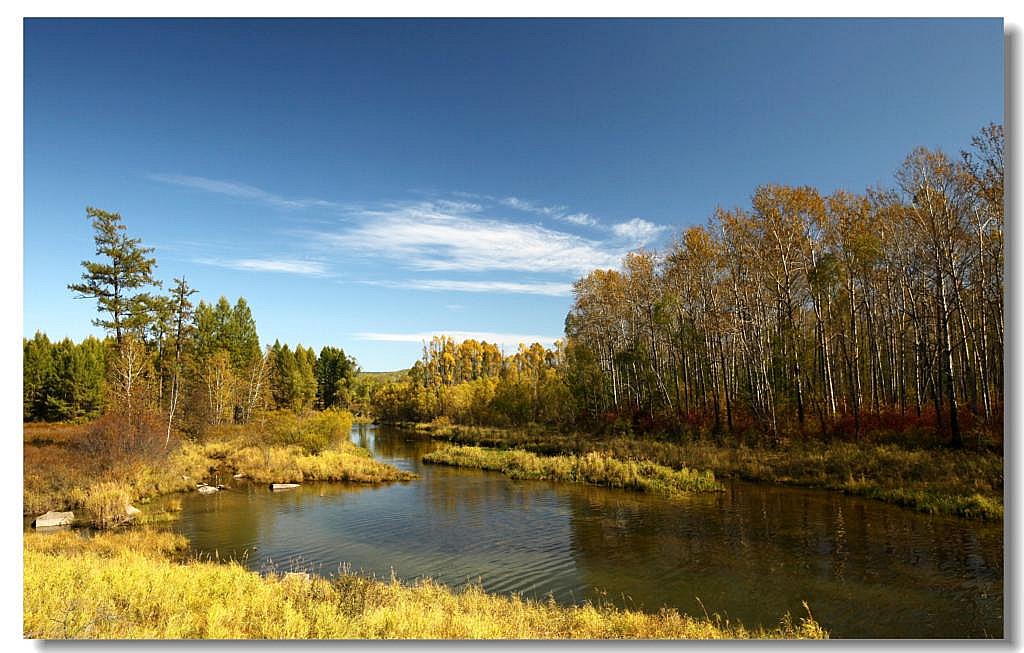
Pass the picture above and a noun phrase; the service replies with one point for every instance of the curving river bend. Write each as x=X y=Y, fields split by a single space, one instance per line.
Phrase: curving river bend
x=751 y=553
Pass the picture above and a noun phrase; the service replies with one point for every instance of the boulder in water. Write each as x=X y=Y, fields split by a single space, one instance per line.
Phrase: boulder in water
x=52 y=518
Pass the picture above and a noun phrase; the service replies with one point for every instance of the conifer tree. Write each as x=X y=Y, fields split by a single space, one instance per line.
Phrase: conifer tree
x=115 y=282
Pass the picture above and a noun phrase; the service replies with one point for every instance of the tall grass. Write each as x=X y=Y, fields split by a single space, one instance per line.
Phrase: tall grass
x=106 y=503
x=964 y=483
x=123 y=586
x=291 y=464
x=593 y=467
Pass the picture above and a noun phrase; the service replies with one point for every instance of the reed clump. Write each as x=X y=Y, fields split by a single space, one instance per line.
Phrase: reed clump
x=106 y=503
x=595 y=468
x=125 y=585
x=292 y=464
x=285 y=447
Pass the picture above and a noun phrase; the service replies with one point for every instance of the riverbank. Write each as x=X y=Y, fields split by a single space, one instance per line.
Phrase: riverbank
x=592 y=468
x=134 y=584
x=69 y=466
x=940 y=481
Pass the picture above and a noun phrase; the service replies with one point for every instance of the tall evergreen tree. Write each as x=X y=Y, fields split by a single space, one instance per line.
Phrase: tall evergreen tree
x=334 y=374
x=114 y=283
x=182 y=330
x=37 y=375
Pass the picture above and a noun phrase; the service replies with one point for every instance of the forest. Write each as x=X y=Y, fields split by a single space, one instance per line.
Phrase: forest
x=803 y=315
x=166 y=360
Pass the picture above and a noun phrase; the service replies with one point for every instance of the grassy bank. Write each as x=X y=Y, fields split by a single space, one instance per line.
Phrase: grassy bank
x=128 y=585
x=67 y=468
x=345 y=462
x=964 y=483
x=592 y=467
x=286 y=448
x=63 y=471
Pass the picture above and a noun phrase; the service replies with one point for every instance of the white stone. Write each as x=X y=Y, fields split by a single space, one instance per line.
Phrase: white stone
x=52 y=518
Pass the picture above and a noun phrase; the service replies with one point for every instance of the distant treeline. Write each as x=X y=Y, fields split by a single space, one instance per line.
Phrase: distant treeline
x=65 y=381
x=803 y=313
x=472 y=382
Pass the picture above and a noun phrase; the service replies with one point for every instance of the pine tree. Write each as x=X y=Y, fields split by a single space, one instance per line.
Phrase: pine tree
x=37 y=374
x=112 y=283
x=334 y=374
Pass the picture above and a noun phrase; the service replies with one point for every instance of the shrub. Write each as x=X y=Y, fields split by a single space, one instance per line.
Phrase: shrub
x=118 y=437
x=312 y=432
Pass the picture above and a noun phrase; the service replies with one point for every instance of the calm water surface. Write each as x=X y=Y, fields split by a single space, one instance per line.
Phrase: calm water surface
x=750 y=553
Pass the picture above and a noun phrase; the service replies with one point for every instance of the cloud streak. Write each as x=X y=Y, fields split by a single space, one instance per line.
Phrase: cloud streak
x=557 y=212
x=582 y=219
x=547 y=288
x=242 y=191
x=430 y=237
x=511 y=340
x=286 y=266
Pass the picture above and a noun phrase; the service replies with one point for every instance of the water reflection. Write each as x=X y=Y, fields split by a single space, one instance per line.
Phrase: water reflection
x=749 y=553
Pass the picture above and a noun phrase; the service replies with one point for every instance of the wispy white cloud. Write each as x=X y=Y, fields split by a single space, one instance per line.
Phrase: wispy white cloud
x=530 y=207
x=558 y=212
x=459 y=207
x=510 y=340
x=428 y=236
x=463 y=232
x=287 y=266
x=582 y=219
x=242 y=191
x=638 y=231
x=549 y=288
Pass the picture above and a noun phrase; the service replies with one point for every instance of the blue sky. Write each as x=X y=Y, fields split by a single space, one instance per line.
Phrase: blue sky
x=368 y=183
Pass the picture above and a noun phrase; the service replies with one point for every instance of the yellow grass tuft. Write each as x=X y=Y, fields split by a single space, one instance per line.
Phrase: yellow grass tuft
x=595 y=468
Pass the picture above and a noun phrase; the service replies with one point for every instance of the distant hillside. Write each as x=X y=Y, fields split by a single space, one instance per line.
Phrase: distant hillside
x=386 y=377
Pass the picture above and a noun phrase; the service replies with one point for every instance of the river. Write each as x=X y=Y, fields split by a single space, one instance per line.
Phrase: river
x=751 y=553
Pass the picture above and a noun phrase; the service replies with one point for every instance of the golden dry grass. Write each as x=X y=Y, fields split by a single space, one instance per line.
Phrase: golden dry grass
x=123 y=585
x=594 y=468
x=344 y=462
